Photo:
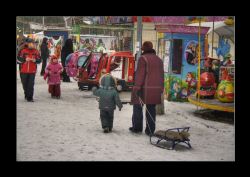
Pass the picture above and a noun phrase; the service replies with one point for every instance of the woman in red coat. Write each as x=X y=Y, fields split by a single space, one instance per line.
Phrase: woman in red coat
x=149 y=85
x=29 y=58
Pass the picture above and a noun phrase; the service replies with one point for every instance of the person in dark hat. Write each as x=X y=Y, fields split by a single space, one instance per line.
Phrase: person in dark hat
x=147 y=89
x=66 y=50
x=44 y=54
x=29 y=58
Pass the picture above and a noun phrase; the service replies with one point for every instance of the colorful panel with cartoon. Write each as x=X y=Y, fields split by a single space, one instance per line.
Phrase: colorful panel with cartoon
x=180 y=86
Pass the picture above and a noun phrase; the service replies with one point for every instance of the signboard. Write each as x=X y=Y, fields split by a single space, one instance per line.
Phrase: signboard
x=166 y=58
x=98 y=42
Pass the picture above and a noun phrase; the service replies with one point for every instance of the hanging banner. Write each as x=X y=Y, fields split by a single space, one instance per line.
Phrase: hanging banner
x=98 y=43
x=55 y=45
x=113 y=20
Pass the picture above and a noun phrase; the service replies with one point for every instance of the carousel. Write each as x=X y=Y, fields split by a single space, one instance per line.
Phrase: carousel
x=215 y=84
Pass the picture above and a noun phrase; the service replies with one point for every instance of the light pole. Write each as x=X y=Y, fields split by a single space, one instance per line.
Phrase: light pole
x=139 y=40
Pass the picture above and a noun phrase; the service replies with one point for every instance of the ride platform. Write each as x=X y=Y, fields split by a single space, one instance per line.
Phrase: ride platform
x=213 y=104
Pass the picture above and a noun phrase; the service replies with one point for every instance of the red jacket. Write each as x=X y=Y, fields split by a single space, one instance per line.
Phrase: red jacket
x=29 y=66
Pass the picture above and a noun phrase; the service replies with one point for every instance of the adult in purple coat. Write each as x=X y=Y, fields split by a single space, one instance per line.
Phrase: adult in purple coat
x=148 y=87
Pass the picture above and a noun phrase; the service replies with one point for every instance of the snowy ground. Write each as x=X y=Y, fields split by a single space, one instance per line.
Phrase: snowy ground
x=69 y=129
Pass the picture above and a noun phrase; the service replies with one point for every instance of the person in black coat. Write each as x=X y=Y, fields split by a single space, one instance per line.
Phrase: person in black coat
x=66 y=50
x=44 y=54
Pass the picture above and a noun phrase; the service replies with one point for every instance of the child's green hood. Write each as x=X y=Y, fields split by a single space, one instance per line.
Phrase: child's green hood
x=107 y=82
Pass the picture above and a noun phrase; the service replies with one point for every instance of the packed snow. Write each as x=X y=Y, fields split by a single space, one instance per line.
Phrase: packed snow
x=69 y=129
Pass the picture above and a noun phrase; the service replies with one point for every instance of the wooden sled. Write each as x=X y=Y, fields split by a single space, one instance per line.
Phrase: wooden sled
x=174 y=135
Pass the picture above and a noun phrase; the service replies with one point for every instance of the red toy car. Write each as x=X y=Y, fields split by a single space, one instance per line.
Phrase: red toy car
x=119 y=64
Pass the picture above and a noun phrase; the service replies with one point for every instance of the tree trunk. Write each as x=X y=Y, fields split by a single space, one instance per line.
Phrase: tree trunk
x=160 y=108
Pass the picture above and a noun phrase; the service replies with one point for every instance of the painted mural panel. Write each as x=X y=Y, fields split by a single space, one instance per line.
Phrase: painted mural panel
x=179 y=86
x=191 y=52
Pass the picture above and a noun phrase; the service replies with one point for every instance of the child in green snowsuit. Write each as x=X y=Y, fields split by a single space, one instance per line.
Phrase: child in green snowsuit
x=109 y=98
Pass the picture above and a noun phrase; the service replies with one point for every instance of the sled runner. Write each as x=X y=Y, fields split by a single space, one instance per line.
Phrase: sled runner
x=174 y=135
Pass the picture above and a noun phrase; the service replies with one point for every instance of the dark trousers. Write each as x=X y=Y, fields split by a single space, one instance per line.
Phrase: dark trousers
x=107 y=117
x=43 y=66
x=55 y=90
x=28 y=81
x=137 y=118
x=20 y=67
x=65 y=76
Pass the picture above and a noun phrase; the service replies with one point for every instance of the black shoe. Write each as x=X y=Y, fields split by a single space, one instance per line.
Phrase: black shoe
x=29 y=99
x=110 y=129
x=25 y=97
x=106 y=130
x=133 y=130
x=147 y=133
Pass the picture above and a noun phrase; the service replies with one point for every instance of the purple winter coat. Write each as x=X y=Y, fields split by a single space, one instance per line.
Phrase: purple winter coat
x=149 y=79
x=53 y=72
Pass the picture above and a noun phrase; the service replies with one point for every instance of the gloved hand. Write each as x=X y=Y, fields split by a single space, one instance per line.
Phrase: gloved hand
x=139 y=93
x=27 y=59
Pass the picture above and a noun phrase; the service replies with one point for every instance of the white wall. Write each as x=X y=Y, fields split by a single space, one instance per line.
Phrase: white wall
x=148 y=34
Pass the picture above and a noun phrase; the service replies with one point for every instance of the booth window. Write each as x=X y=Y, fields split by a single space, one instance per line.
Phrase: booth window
x=177 y=56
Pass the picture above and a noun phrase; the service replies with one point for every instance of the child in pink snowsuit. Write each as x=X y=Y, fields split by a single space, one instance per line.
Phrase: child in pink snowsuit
x=53 y=73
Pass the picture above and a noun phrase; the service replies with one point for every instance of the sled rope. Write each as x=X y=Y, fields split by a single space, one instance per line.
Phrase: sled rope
x=141 y=102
